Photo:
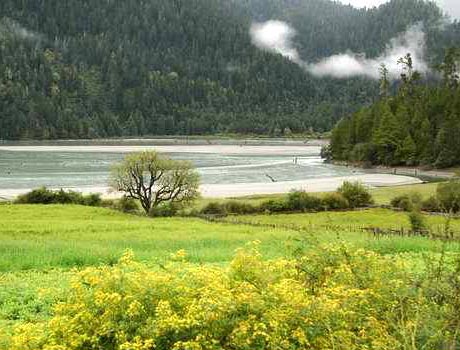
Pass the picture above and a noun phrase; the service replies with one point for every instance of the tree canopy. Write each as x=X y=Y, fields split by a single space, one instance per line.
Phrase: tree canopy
x=420 y=125
x=88 y=69
x=154 y=179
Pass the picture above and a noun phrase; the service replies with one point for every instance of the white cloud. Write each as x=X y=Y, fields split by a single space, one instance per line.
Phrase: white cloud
x=277 y=37
x=349 y=64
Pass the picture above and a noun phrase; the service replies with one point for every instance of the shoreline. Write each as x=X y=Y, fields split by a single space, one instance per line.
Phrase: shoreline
x=170 y=141
x=250 y=189
x=418 y=172
x=235 y=149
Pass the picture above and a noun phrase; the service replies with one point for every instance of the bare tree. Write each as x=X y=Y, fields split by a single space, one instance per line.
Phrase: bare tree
x=154 y=179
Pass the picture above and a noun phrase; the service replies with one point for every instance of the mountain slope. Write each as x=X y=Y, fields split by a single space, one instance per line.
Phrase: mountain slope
x=85 y=68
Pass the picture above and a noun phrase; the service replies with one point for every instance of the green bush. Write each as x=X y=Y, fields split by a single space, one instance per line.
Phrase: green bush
x=214 y=208
x=39 y=196
x=164 y=210
x=432 y=205
x=408 y=201
x=45 y=196
x=417 y=221
x=240 y=208
x=127 y=205
x=302 y=201
x=448 y=195
x=334 y=201
x=274 y=206
x=357 y=195
x=333 y=297
x=93 y=200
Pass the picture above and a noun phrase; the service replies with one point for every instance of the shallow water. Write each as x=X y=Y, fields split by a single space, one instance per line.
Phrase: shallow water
x=62 y=167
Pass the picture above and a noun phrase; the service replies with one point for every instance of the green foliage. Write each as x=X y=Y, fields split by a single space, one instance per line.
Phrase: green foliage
x=418 y=126
x=448 y=195
x=135 y=68
x=165 y=210
x=407 y=201
x=240 y=208
x=417 y=221
x=127 y=205
x=46 y=196
x=335 y=296
x=302 y=201
x=432 y=204
x=214 y=208
x=356 y=194
x=274 y=206
x=334 y=201
x=155 y=180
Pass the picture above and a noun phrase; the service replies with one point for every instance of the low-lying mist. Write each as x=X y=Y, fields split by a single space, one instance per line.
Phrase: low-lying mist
x=277 y=36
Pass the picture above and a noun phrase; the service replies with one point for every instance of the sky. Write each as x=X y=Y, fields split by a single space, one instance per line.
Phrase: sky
x=452 y=7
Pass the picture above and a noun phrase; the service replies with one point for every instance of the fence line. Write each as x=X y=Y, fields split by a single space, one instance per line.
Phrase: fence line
x=440 y=233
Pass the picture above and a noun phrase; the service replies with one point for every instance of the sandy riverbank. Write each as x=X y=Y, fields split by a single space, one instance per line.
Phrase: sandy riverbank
x=247 y=189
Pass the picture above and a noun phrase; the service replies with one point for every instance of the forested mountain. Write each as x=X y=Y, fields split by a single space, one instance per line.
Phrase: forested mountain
x=101 y=68
x=418 y=126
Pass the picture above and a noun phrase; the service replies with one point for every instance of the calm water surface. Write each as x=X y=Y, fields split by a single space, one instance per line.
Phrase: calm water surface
x=26 y=169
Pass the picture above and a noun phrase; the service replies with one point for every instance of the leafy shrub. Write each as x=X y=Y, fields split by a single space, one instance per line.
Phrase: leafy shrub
x=214 y=208
x=408 y=201
x=93 y=200
x=274 y=206
x=46 y=196
x=38 y=196
x=334 y=201
x=432 y=205
x=127 y=205
x=357 y=195
x=109 y=203
x=164 y=210
x=334 y=297
x=448 y=195
x=417 y=221
x=302 y=201
x=240 y=208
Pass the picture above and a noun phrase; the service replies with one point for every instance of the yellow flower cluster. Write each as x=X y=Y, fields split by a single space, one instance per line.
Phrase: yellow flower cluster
x=333 y=298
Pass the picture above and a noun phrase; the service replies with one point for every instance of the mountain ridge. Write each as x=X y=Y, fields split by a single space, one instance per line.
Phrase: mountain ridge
x=85 y=69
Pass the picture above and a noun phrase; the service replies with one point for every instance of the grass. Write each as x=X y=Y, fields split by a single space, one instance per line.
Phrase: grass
x=348 y=225
x=384 y=195
x=345 y=220
x=43 y=237
x=46 y=237
x=40 y=245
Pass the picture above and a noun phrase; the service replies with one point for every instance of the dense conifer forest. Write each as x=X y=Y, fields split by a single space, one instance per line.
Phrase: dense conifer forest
x=89 y=69
x=420 y=125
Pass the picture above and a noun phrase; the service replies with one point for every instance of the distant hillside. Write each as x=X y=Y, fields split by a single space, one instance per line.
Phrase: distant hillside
x=87 y=68
x=420 y=125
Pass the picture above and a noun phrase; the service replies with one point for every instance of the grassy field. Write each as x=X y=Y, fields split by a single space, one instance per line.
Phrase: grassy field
x=43 y=237
x=382 y=196
x=42 y=246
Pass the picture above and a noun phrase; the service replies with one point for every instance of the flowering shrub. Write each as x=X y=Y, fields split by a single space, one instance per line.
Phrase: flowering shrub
x=333 y=298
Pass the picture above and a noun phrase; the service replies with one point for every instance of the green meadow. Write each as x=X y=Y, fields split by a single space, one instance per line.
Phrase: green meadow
x=43 y=237
x=41 y=247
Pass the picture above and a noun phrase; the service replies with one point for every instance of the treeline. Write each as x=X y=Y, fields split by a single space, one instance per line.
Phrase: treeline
x=420 y=125
x=88 y=69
